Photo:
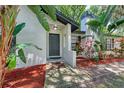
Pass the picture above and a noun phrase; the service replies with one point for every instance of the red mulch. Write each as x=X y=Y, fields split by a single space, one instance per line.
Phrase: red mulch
x=29 y=77
x=82 y=62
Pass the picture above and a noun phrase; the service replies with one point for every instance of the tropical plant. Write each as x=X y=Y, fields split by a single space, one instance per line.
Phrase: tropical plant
x=73 y=12
x=19 y=49
x=39 y=12
x=10 y=62
x=8 y=16
x=114 y=25
x=9 y=30
x=102 y=25
x=118 y=13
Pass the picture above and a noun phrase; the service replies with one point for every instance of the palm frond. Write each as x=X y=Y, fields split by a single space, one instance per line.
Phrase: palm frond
x=93 y=23
x=108 y=14
x=115 y=24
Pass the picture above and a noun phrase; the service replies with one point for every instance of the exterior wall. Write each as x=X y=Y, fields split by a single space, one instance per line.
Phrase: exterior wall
x=35 y=33
x=68 y=55
x=32 y=33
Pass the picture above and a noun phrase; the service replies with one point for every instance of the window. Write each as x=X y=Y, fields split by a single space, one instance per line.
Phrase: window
x=110 y=44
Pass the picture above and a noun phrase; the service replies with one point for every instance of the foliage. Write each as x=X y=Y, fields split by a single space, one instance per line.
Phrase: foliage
x=118 y=13
x=11 y=61
x=8 y=16
x=114 y=25
x=50 y=10
x=102 y=25
x=21 y=55
x=18 y=28
x=73 y=12
x=41 y=15
x=99 y=25
x=24 y=45
x=19 y=49
x=98 y=10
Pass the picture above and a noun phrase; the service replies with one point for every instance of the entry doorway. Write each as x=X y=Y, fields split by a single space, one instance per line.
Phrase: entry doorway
x=54 y=45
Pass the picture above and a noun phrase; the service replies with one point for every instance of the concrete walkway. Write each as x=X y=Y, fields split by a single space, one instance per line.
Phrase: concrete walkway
x=59 y=75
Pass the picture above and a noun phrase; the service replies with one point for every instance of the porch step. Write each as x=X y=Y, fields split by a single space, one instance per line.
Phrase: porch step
x=55 y=60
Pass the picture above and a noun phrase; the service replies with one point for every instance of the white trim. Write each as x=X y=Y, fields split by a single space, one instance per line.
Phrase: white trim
x=60 y=35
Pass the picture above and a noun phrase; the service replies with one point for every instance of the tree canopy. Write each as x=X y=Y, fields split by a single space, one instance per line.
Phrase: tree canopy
x=72 y=12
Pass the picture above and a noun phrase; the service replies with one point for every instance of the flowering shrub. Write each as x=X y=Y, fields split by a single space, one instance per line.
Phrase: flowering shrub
x=88 y=48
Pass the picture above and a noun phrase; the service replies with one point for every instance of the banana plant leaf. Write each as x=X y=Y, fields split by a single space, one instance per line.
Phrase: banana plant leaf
x=21 y=55
x=20 y=48
x=11 y=61
x=18 y=28
x=24 y=45
x=50 y=10
x=40 y=16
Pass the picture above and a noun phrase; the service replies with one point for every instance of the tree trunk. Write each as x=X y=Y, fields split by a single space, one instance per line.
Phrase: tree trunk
x=2 y=68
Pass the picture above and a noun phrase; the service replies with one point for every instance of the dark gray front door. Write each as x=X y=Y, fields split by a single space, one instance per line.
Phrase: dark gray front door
x=54 y=45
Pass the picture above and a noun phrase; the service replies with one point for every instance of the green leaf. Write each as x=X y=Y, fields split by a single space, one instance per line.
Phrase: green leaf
x=24 y=45
x=18 y=28
x=115 y=24
x=50 y=10
x=97 y=42
x=40 y=16
x=72 y=12
x=108 y=14
x=93 y=23
x=11 y=62
x=21 y=55
x=96 y=47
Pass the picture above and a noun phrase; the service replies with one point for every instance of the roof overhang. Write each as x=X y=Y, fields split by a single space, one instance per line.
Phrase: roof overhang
x=61 y=18
x=64 y=20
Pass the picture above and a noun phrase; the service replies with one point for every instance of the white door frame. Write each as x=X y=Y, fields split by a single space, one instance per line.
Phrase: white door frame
x=60 y=36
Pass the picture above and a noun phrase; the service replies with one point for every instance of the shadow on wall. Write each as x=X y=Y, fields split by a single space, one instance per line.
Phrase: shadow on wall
x=32 y=59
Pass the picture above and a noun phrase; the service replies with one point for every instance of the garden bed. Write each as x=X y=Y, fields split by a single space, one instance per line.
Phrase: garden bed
x=83 y=62
x=29 y=77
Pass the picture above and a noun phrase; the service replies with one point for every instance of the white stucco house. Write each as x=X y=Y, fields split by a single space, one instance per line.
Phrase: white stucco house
x=56 y=44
